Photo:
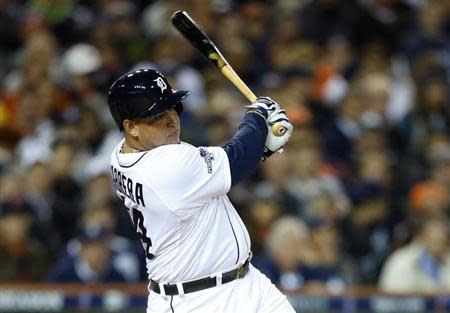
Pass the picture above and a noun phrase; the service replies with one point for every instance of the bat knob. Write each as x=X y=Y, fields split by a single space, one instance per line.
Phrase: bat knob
x=278 y=129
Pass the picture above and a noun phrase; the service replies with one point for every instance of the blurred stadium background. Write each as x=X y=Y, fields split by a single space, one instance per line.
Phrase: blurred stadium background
x=352 y=217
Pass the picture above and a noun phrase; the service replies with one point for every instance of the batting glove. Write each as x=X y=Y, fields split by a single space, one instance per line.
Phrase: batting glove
x=263 y=106
x=276 y=143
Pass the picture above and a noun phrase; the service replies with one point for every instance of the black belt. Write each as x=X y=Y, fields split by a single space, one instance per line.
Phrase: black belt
x=203 y=283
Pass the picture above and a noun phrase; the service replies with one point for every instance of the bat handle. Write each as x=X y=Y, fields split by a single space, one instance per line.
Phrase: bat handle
x=229 y=73
x=227 y=70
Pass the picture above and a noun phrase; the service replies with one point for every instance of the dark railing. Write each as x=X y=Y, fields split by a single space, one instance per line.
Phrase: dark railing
x=133 y=298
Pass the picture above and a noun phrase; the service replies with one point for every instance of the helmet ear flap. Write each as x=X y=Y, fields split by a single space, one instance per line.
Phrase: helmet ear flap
x=179 y=108
x=117 y=115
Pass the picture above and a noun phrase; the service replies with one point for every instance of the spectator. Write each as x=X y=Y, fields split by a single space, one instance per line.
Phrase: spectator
x=430 y=114
x=260 y=215
x=92 y=263
x=38 y=191
x=285 y=254
x=421 y=266
x=124 y=253
x=327 y=209
x=328 y=265
x=429 y=199
x=341 y=131
x=310 y=176
x=8 y=141
x=428 y=35
x=274 y=186
x=67 y=194
x=438 y=153
x=366 y=231
x=22 y=257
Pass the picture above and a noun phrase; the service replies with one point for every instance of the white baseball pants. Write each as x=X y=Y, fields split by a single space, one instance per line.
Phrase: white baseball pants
x=250 y=294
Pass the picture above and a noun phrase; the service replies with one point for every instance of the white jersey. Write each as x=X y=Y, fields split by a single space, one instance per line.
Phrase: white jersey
x=176 y=197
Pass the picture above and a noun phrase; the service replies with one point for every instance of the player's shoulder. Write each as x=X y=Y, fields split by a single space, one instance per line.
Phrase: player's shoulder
x=165 y=154
x=173 y=152
x=182 y=150
x=163 y=157
x=184 y=156
x=179 y=147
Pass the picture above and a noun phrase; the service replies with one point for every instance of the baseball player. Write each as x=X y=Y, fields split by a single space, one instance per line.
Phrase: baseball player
x=197 y=247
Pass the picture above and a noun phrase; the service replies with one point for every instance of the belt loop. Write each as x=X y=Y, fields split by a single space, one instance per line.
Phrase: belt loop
x=162 y=291
x=239 y=272
x=180 y=288
x=219 y=279
x=149 y=287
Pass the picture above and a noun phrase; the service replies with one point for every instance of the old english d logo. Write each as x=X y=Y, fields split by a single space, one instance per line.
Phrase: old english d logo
x=161 y=84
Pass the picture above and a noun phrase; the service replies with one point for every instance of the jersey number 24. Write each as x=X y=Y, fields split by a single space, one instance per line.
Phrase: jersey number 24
x=138 y=221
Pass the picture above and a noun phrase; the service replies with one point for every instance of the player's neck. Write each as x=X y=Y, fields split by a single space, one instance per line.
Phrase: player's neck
x=128 y=147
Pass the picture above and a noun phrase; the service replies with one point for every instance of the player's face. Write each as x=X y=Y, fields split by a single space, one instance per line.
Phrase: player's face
x=157 y=131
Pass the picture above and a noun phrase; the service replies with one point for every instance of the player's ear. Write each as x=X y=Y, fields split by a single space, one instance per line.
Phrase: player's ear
x=130 y=127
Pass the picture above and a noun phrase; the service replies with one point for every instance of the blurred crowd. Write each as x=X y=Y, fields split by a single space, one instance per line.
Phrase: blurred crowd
x=359 y=197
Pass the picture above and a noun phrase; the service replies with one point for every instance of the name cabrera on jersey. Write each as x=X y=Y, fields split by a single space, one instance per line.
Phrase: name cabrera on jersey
x=176 y=198
x=126 y=188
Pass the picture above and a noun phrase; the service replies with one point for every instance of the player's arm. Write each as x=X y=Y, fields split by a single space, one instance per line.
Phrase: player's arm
x=251 y=143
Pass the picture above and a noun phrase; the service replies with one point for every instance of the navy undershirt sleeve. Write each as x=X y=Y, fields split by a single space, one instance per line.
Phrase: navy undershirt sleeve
x=246 y=148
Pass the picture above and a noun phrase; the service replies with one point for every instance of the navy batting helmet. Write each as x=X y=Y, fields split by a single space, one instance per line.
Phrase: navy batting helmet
x=143 y=93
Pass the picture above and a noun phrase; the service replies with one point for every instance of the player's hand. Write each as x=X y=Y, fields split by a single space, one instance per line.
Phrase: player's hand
x=263 y=106
x=276 y=143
